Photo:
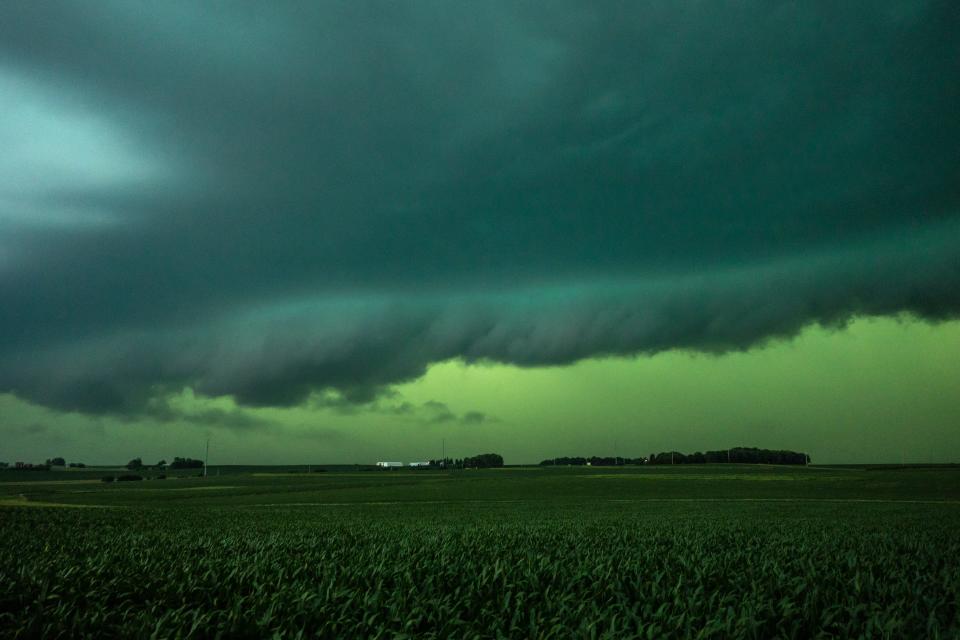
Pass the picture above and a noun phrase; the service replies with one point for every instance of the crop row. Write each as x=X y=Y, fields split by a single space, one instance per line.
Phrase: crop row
x=75 y=573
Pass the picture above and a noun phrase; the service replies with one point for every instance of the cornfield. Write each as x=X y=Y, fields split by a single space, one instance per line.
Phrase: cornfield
x=511 y=573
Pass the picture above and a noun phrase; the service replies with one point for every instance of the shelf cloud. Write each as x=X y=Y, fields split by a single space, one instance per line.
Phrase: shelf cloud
x=273 y=202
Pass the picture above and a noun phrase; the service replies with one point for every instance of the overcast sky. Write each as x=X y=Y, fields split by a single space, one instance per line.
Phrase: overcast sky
x=244 y=216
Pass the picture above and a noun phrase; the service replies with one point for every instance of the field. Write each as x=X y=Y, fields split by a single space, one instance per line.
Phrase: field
x=694 y=551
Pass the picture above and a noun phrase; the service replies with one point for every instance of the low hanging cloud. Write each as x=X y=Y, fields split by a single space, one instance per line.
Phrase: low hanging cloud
x=288 y=203
x=386 y=401
x=162 y=410
x=439 y=413
x=476 y=417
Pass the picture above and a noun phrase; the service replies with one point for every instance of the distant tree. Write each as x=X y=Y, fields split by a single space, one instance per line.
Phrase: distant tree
x=743 y=455
x=576 y=461
x=186 y=463
x=26 y=466
x=136 y=463
x=56 y=462
x=595 y=461
x=162 y=463
x=77 y=465
x=484 y=461
x=4 y=465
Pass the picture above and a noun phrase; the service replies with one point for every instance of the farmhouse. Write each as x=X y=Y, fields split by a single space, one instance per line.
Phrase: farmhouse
x=390 y=465
x=419 y=465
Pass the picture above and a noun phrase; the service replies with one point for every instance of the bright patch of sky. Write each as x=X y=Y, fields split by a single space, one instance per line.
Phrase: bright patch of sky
x=55 y=145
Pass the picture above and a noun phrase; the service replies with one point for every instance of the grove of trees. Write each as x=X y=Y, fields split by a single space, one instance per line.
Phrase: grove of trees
x=595 y=461
x=742 y=455
x=178 y=463
x=186 y=463
x=737 y=455
x=482 y=461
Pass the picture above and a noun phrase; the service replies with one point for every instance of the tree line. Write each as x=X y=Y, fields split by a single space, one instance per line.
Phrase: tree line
x=178 y=463
x=594 y=461
x=736 y=455
x=50 y=462
x=482 y=461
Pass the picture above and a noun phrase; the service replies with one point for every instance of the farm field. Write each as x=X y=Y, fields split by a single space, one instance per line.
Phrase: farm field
x=687 y=551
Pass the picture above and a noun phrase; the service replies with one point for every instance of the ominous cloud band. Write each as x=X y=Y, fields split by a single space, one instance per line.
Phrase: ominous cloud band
x=267 y=201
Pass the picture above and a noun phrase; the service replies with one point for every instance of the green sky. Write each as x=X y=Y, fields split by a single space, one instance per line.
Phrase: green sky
x=344 y=231
x=879 y=390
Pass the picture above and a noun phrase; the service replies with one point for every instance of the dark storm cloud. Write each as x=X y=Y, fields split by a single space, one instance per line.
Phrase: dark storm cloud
x=385 y=401
x=475 y=418
x=160 y=409
x=439 y=413
x=271 y=200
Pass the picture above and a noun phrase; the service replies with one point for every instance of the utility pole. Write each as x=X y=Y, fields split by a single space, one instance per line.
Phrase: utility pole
x=206 y=457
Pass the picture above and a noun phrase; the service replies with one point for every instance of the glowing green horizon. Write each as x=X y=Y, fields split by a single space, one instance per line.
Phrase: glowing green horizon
x=880 y=390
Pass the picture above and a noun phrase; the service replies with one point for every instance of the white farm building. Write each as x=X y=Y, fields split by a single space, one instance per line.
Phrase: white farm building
x=390 y=464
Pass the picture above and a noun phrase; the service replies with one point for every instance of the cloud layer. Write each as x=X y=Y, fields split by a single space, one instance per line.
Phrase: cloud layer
x=269 y=202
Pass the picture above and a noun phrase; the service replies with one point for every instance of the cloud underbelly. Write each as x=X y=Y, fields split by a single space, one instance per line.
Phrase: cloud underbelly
x=277 y=354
